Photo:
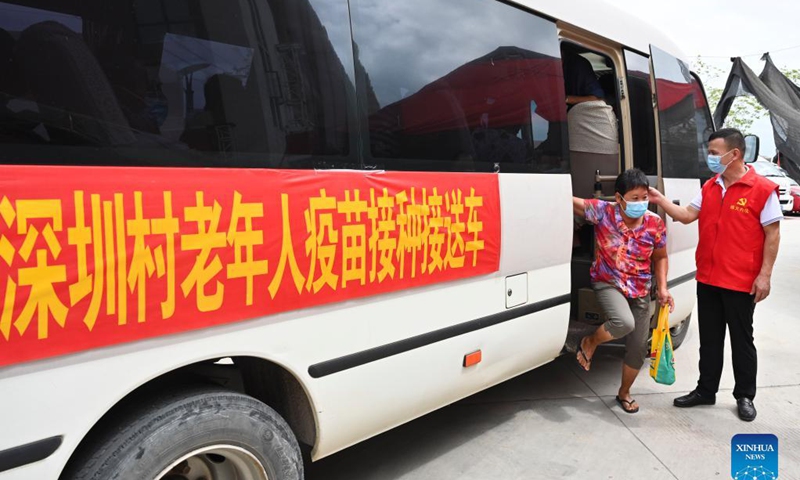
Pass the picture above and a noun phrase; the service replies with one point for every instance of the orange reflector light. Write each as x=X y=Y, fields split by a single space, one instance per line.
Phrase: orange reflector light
x=473 y=358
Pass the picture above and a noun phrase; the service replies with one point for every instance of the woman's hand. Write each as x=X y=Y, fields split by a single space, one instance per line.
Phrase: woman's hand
x=665 y=298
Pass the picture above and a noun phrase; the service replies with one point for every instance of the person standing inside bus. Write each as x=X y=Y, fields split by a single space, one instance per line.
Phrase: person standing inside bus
x=630 y=240
x=739 y=215
x=580 y=81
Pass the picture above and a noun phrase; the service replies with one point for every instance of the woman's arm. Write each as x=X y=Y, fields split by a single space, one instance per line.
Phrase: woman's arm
x=661 y=262
x=576 y=99
x=578 y=207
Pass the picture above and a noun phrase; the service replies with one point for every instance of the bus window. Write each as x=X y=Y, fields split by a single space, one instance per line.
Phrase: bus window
x=684 y=130
x=178 y=82
x=682 y=124
x=705 y=127
x=643 y=128
x=441 y=96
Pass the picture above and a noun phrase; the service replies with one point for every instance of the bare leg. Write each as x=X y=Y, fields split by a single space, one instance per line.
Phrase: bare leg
x=589 y=344
x=628 y=377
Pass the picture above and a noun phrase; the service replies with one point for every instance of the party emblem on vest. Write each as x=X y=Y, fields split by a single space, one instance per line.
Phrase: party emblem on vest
x=741 y=206
x=754 y=457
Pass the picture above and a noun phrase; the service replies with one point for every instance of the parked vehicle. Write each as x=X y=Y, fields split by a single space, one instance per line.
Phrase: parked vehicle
x=794 y=191
x=779 y=176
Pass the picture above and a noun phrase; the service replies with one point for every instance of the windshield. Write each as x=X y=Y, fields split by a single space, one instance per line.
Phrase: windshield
x=767 y=169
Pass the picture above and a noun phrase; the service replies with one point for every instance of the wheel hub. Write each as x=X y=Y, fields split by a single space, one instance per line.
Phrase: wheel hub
x=216 y=462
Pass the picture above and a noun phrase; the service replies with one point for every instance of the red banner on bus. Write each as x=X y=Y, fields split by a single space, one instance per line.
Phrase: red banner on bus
x=96 y=256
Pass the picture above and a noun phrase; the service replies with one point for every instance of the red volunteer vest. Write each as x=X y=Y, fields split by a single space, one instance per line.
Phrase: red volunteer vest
x=731 y=247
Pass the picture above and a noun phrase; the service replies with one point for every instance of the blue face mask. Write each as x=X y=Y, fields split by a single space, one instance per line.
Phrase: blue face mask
x=635 y=209
x=714 y=163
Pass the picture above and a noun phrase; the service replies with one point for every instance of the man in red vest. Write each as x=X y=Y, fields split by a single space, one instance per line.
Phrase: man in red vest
x=739 y=215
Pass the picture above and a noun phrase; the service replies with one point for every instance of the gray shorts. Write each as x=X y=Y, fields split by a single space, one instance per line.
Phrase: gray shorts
x=626 y=316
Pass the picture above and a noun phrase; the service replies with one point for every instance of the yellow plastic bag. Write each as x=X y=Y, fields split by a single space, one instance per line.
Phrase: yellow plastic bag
x=662 y=360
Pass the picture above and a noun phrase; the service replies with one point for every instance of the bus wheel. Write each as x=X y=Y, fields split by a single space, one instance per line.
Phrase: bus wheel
x=679 y=331
x=205 y=433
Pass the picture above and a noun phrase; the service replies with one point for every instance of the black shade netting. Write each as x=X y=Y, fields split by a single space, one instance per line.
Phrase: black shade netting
x=779 y=95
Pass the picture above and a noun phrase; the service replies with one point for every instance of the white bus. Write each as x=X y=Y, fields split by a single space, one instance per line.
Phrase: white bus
x=231 y=232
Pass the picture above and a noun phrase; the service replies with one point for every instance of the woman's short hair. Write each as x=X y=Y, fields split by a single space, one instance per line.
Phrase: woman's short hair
x=629 y=180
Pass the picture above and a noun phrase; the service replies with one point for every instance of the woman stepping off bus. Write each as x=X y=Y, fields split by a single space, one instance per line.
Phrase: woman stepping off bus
x=629 y=239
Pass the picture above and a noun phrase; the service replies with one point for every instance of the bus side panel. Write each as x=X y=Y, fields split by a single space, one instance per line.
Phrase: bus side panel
x=44 y=470
x=350 y=406
x=382 y=395
x=537 y=222
x=681 y=244
x=684 y=295
x=682 y=239
x=536 y=240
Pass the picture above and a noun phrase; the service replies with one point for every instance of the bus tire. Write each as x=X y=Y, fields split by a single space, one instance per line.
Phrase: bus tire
x=205 y=432
x=679 y=331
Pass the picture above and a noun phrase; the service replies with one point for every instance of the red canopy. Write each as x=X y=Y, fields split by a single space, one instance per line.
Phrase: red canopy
x=495 y=90
x=672 y=93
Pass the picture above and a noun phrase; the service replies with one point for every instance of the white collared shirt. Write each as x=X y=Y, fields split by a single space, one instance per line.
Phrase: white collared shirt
x=770 y=214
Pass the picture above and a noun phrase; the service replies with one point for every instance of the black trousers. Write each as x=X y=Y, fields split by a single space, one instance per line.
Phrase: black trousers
x=716 y=309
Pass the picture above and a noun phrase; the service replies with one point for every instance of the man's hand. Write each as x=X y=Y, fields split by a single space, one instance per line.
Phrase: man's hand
x=761 y=287
x=665 y=298
x=655 y=197
x=685 y=215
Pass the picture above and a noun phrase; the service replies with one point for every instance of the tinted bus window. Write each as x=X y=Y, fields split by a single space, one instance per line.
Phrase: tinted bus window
x=473 y=85
x=683 y=117
x=705 y=127
x=176 y=82
x=643 y=125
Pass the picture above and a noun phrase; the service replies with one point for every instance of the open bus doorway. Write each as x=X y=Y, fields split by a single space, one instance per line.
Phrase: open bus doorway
x=595 y=143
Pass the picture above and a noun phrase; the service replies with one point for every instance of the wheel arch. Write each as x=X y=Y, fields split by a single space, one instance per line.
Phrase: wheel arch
x=270 y=382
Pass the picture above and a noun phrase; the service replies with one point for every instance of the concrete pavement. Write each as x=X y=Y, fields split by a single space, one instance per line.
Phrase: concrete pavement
x=560 y=422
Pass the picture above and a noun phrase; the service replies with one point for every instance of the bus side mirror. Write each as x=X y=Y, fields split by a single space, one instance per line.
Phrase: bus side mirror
x=751 y=143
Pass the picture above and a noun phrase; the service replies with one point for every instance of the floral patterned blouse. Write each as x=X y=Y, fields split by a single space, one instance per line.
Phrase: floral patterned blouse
x=622 y=256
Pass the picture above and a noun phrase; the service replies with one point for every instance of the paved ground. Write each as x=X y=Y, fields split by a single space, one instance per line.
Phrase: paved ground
x=559 y=422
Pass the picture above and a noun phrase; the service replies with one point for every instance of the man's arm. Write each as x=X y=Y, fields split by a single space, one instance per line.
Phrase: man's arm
x=685 y=215
x=772 y=240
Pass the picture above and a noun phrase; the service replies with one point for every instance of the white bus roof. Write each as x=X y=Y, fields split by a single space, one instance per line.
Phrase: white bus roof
x=609 y=21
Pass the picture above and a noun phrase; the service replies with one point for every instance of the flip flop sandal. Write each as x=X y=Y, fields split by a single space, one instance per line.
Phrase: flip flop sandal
x=585 y=358
x=630 y=403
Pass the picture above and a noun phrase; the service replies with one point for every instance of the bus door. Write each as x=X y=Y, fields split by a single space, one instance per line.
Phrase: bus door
x=684 y=124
